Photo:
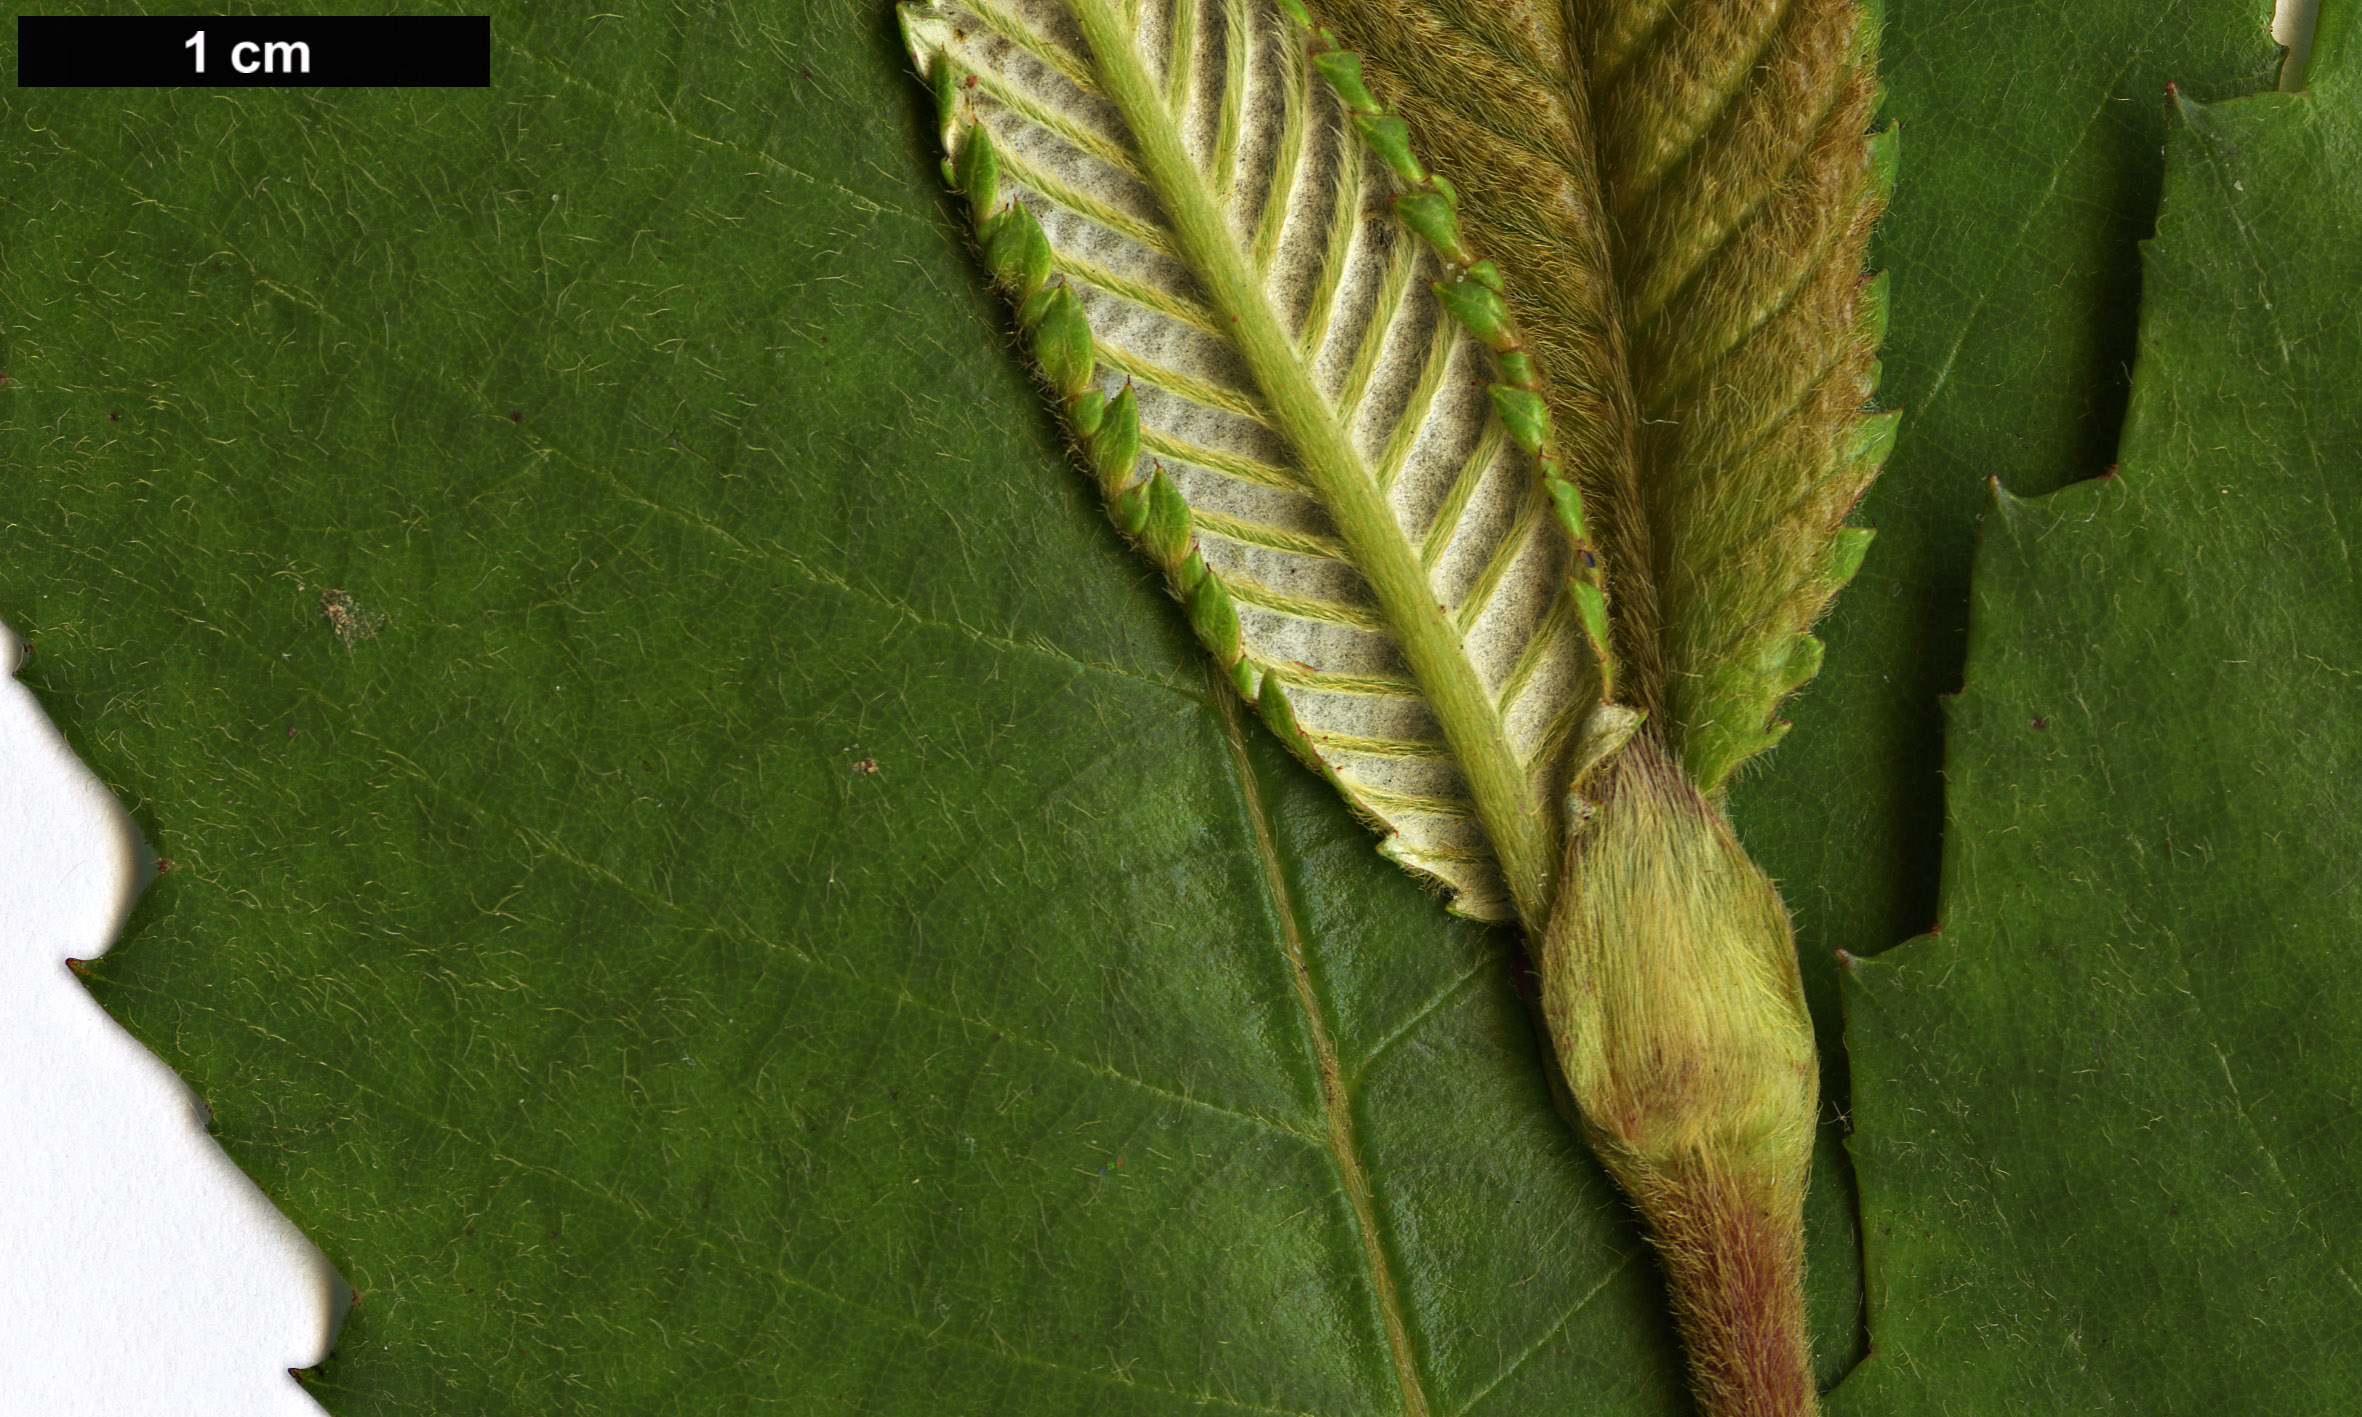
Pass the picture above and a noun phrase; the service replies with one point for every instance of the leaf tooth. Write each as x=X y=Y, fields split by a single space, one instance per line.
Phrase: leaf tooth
x=1342 y=68
x=1525 y=414
x=924 y=37
x=1591 y=611
x=1474 y=887
x=978 y=170
x=1215 y=619
x=1873 y=439
x=1243 y=678
x=1800 y=662
x=1568 y=499
x=1129 y=509
x=1193 y=569
x=1874 y=307
x=944 y=78
x=1390 y=138
x=1165 y=531
x=1061 y=340
x=1015 y=250
x=1869 y=31
x=1114 y=445
x=1436 y=217
x=1711 y=749
x=1479 y=308
x=1886 y=160
x=1842 y=559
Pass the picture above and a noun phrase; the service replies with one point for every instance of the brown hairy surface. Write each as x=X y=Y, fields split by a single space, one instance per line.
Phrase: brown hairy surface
x=1489 y=92
x=1752 y=359
x=1680 y=195
x=1732 y=1255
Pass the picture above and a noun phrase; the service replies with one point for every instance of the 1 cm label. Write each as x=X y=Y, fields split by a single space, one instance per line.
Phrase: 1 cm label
x=276 y=56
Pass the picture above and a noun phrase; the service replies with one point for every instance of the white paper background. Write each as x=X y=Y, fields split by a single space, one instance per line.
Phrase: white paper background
x=141 y=1273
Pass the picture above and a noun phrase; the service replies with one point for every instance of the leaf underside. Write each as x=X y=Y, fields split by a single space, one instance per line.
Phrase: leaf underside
x=1393 y=560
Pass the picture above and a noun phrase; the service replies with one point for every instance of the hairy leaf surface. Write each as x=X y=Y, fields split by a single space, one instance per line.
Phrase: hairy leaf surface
x=1690 y=190
x=1742 y=196
x=1317 y=432
x=2107 y=1130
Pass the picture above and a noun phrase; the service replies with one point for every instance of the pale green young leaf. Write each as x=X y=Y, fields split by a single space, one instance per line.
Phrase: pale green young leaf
x=1202 y=235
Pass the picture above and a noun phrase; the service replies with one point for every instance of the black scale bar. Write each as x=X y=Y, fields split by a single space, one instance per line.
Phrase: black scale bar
x=248 y=51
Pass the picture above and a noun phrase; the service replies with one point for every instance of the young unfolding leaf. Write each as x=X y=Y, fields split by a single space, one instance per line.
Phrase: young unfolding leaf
x=1742 y=191
x=1304 y=395
x=1682 y=195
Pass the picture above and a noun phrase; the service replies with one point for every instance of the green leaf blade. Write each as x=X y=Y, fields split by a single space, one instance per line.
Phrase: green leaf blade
x=2011 y=248
x=1301 y=387
x=2107 y=1161
x=570 y=904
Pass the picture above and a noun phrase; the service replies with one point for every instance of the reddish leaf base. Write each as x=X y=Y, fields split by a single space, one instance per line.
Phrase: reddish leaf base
x=1732 y=1249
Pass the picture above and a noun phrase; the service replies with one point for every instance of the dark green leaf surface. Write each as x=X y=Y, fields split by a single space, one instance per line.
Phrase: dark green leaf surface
x=2107 y=1117
x=2031 y=155
x=774 y=918
x=2031 y=139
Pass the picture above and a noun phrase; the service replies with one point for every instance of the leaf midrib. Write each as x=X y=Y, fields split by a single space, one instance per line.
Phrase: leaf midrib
x=1514 y=817
x=1336 y=1109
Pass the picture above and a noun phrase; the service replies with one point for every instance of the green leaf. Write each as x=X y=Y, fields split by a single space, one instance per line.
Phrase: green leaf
x=2015 y=285
x=435 y=959
x=2036 y=136
x=776 y=918
x=1365 y=541
x=2106 y=1131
